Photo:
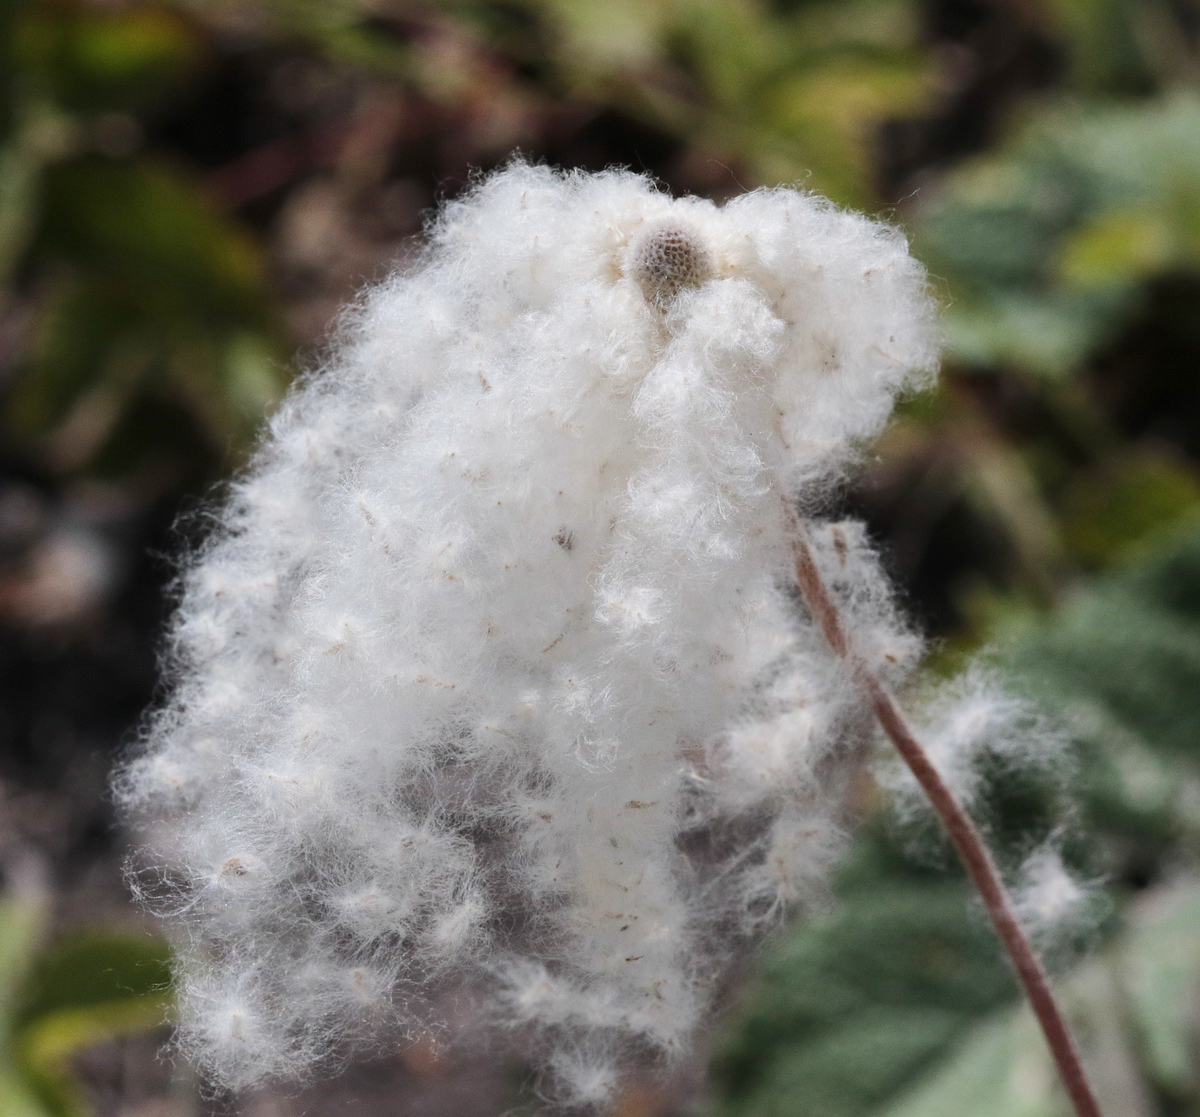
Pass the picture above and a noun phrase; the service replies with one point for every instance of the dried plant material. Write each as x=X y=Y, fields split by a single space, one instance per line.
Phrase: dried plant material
x=491 y=675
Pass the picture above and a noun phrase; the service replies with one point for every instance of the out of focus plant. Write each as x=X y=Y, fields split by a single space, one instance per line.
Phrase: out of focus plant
x=895 y=994
x=1126 y=48
x=782 y=92
x=56 y=1001
x=1066 y=251
x=1139 y=998
x=1048 y=242
x=145 y=312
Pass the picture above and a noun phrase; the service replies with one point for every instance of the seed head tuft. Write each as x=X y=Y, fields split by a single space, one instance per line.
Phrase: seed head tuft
x=488 y=686
x=669 y=259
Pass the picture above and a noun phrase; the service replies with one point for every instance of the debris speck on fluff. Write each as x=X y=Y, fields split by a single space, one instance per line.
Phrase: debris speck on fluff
x=491 y=676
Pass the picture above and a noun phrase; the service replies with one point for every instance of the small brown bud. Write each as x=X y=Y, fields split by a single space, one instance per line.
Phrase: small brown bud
x=668 y=259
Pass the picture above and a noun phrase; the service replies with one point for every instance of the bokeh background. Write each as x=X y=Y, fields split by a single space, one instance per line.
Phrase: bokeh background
x=190 y=190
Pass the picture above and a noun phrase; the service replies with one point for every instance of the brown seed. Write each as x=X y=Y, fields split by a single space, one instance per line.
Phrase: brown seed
x=667 y=260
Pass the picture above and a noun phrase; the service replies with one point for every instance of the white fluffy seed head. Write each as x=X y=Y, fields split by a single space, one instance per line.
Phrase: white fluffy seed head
x=493 y=647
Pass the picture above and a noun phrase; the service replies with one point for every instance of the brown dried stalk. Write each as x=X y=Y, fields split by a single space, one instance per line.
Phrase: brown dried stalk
x=974 y=853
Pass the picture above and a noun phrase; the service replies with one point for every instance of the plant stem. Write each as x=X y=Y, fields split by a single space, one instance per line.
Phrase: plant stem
x=974 y=853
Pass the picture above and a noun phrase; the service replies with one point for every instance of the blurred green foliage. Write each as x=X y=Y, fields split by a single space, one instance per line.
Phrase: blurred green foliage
x=900 y=988
x=152 y=326
x=1047 y=242
x=782 y=91
x=1135 y=1006
x=83 y=990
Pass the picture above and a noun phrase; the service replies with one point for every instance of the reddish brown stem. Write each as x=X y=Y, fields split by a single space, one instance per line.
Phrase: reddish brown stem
x=974 y=853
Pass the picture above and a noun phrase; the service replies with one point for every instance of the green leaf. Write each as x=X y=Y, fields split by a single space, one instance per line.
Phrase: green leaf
x=1161 y=978
x=887 y=1005
x=83 y=991
x=815 y=121
x=1129 y=651
x=788 y=97
x=1123 y=46
x=18 y=204
x=1136 y=1011
x=79 y=349
x=96 y=970
x=152 y=232
x=156 y=318
x=22 y=923
x=1045 y=242
x=850 y=1008
x=1126 y=500
x=980 y=1075
x=17 y=1099
x=1118 y=245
